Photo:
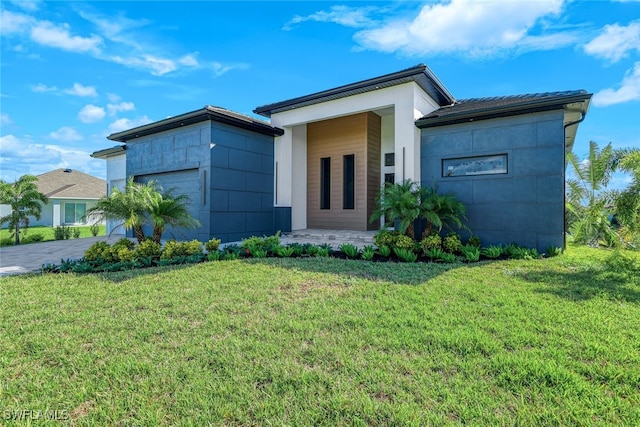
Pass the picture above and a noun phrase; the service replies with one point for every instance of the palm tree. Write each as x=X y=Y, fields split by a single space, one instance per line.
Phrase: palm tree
x=587 y=202
x=166 y=210
x=25 y=200
x=440 y=210
x=398 y=202
x=627 y=201
x=128 y=206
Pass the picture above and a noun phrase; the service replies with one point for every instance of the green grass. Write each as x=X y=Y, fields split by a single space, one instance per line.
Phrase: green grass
x=48 y=232
x=329 y=342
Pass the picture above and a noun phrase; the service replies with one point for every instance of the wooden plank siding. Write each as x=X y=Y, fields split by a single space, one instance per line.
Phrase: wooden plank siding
x=357 y=134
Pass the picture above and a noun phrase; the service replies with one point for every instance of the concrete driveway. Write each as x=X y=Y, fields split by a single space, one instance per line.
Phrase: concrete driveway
x=30 y=257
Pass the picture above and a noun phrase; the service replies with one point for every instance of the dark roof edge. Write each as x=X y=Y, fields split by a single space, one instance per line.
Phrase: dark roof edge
x=108 y=152
x=203 y=114
x=548 y=104
x=265 y=110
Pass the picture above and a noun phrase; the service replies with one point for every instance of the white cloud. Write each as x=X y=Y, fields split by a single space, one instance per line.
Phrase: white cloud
x=122 y=106
x=5 y=119
x=156 y=66
x=356 y=17
x=189 y=60
x=126 y=124
x=615 y=42
x=91 y=113
x=470 y=27
x=42 y=88
x=65 y=133
x=49 y=34
x=220 y=69
x=80 y=90
x=629 y=90
x=22 y=155
x=11 y=22
x=28 y=5
x=112 y=97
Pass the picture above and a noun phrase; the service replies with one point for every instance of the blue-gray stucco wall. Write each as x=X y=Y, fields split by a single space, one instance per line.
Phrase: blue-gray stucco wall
x=241 y=183
x=525 y=205
x=226 y=171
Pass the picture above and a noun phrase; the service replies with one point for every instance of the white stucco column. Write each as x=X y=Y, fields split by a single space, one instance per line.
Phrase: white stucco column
x=282 y=168
x=299 y=178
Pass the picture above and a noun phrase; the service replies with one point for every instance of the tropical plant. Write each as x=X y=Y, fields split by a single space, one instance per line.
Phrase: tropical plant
x=589 y=207
x=397 y=202
x=440 y=210
x=447 y=257
x=431 y=241
x=173 y=249
x=165 y=209
x=405 y=255
x=351 y=251
x=368 y=252
x=148 y=249
x=434 y=253
x=492 y=251
x=553 y=251
x=451 y=243
x=384 y=251
x=471 y=253
x=627 y=201
x=474 y=241
x=24 y=199
x=386 y=238
x=128 y=206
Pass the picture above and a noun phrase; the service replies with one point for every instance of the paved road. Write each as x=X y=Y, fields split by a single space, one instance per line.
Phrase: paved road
x=30 y=257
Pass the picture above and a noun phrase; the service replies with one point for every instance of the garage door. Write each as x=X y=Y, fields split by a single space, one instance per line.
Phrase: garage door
x=181 y=182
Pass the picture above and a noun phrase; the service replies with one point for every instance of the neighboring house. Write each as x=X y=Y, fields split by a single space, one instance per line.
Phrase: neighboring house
x=71 y=193
x=324 y=157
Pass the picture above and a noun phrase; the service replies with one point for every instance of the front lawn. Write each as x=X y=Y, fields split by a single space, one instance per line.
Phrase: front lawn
x=328 y=341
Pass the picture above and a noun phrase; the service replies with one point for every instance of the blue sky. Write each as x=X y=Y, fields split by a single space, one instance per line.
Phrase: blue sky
x=74 y=72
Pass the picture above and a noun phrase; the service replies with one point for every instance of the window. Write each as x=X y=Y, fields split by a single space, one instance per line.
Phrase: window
x=481 y=165
x=73 y=212
x=390 y=159
x=390 y=178
x=325 y=183
x=348 y=184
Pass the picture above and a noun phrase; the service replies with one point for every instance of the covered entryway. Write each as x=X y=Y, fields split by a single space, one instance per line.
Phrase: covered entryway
x=343 y=171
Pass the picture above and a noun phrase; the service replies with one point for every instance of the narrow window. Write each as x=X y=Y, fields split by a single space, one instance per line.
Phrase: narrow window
x=349 y=172
x=325 y=183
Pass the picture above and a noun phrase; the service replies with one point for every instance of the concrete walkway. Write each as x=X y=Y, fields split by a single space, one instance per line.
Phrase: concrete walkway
x=30 y=257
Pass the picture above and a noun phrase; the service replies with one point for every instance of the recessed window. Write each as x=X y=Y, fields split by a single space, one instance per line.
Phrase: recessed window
x=390 y=177
x=390 y=159
x=74 y=212
x=349 y=174
x=325 y=183
x=480 y=165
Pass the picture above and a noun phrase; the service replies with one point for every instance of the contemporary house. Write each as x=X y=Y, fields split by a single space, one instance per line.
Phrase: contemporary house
x=323 y=157
x=70 y=194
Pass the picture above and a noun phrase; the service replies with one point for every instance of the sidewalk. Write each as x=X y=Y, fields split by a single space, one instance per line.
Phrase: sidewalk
x=30 y=257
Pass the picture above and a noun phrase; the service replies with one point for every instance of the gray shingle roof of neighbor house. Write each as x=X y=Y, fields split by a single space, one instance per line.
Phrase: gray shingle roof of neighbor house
x=208 y=112
x=466 y=110
x=420 y=74
x=71 y=184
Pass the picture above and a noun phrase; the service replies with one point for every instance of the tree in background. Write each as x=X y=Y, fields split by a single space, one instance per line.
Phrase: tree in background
x=24 y=199
x=627 y=201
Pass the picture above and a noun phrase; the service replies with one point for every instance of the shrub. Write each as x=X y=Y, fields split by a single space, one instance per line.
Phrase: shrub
x=148 y=249
x=228 y=256
x=32 y=238
x=324 y=250
x=212 y=245
x=76 y=232
x=298 y=249
x=367 y=253
x=123 y=243
x=351 y=251
x=311 y=250
x=470 y=252
x=99 y=251
x=405 y=255
x=474 y=241
x=404 y=242
x=94 y=229
x=266 y=243
x=213 y=255
x=61 y=232
x=431 y=241
x=447 y=257
x=523 y=253
x=259 y=253
x=384 y=251
x=284 y=251
x=386 y=238
x=492 y=251
x=174 y=249
x=434 y=253
x=553 y=251
x=452 y=243
x=125 y=254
